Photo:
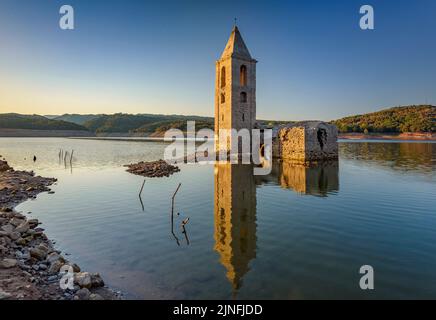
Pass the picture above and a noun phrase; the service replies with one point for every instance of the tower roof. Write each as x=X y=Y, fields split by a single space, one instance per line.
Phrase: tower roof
x=236 y=46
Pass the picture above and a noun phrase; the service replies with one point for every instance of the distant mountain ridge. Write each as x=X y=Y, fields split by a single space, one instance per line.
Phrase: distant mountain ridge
x=419 y=118
x=35 y=122
x=76 y=118
x=140 y=123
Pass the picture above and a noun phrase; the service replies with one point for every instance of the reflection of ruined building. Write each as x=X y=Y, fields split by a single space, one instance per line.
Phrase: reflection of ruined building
x=315 y=180
x=306 y=141
x=235 y=219
x=319 y=179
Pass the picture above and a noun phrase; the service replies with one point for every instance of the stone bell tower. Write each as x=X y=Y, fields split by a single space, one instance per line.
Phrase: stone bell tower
x=235 y=89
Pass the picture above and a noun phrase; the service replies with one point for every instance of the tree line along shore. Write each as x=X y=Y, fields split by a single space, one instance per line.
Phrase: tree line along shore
x=415 y=122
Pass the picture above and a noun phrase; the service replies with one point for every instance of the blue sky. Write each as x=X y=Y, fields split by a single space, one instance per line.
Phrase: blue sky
x=159 y=56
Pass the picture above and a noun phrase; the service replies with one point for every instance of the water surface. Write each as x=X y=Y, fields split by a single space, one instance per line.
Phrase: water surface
x=298 y=233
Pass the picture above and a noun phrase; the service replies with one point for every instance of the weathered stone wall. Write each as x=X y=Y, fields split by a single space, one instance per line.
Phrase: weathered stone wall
x=291 y=144
x=306 y=141
x=243 y=113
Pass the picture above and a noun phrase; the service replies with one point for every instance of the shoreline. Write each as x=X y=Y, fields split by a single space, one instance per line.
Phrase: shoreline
x=419 y=136
x=384 y=136
x=29 y=263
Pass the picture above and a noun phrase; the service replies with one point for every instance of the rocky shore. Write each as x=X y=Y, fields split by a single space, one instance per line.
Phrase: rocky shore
x=152 y=169
x=30 y=267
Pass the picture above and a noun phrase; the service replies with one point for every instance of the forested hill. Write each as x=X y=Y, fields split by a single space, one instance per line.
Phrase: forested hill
x=416 y=118
x=77 y=118
x=419 y=118
x=141 y=123
x=35 y=122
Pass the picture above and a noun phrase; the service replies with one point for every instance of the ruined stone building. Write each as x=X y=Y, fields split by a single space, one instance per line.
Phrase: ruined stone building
x=306 y=141
x=235 y=107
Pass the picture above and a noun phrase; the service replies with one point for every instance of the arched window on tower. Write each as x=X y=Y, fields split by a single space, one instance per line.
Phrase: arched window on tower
x=223 y=77
x=223 y=98
x=243 y=96
x=243 y=75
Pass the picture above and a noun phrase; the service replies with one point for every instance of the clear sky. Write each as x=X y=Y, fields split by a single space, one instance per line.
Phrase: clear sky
x=159 y=56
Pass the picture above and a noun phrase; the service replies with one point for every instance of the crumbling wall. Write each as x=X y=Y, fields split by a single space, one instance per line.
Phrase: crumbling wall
x=306 y=141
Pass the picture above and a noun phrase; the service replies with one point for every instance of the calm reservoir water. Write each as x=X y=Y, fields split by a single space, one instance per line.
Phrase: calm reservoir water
x=298 y=233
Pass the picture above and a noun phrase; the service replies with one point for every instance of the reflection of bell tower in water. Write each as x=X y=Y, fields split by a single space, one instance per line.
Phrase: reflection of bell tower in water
x=235 y=219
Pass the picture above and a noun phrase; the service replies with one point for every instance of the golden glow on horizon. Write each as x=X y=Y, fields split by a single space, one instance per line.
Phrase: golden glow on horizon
x=18 y=96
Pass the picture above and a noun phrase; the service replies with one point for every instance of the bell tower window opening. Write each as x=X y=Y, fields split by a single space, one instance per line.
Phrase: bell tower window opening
x=223 y=77
x=243 y=97
x=243 y=75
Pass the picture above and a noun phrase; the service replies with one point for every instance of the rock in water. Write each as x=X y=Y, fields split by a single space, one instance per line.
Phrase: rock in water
x=4 y=295
x=83 y=279
x=14 y=235
x=8 y=263
x=53 y=257
x=96 y=280
x=83 y=294
x=23 y=227
x=158 y=168
x=38 y=253
x=7 y=228
x=55 y=267
x=95 y=296
x=4 y=166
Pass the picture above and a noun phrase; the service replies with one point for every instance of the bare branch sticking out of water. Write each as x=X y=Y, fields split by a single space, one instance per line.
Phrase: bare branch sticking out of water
x=65 y=159
x=142 y=188
x=172 y=215
x=140 y=195
x=176 y=191
x=186 y=234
